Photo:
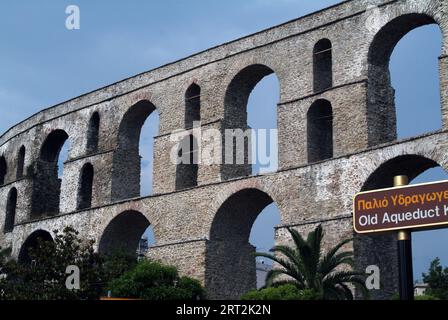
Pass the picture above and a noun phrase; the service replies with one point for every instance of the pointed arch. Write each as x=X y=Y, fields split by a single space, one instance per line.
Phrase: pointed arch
x=381 y=249
x=20 y=162
x=230 y=263
x=85 y=191
x=320 y=131
x=47 y=185
x=382 y=121
x=127 y=161
x=322 y=65
x=235 y=117
x=32 y=242
x=11 y=206
x=123 y=233
x=93 y=133
x=192 y=105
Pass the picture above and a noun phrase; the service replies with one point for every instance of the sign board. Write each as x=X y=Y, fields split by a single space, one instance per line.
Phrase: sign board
x=407 y=207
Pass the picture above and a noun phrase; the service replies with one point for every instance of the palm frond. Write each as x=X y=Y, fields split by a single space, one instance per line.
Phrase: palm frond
x=330 y=263
x=289 y=268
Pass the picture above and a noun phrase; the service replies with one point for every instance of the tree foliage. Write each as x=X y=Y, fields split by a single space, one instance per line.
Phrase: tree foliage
x=437 y=279
x=151 y=280
x=45 y=277
x=307 y=267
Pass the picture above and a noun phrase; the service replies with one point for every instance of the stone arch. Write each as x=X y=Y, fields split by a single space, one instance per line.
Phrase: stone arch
x=32 y=242
x=126 y=163
x=230 y=264
x=192 y=105
x=47 y=185
x=411 y=165
x=123 y=233
x=3 y=170
x=93 y=133
x=235 y=115
x=52 y=145
x=20 y=162
x=11 y=206
x=381 y=249
x=85 y=191
x=322 y=65
x=382 y=122
x=187 y=170
x=320 y=131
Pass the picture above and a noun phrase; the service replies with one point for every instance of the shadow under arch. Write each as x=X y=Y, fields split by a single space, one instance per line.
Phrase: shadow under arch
x=32 y=242
x=47 y=184
x=230 y=269
x=409 y=165
x=126 y=161
x=381 y=249
x=235 y=113
x=382 y=122
x=123 y=233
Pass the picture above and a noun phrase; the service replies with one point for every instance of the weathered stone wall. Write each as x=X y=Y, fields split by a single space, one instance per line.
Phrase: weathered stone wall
x=306 y=194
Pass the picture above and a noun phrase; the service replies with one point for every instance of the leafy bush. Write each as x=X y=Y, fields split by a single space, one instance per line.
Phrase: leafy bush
x=283 y=292
x=116 y=264
x=151 y=280
x=45 y=278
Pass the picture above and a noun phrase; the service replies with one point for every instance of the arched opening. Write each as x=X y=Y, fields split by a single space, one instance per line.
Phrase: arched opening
x=413 y=43
x=415 y=78
x=320 y=131
x=53 y=145
x=125 y=234
x=49 y=172
x=33 y=242
x=230 y=263
x=428 y=245
x=20 y=162
x=192 y=105
x=381 y=249
x=322 y=65
x=246 y=152
x=93 y=133
x=3 y=170
x=262 y=237
x=187 y=170
x=132 y=172
x=410 y=78
x=85 y=187
x=11 y=205
x=262 y=119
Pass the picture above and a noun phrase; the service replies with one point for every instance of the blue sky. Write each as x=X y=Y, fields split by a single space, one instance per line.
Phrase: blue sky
x=43 y=64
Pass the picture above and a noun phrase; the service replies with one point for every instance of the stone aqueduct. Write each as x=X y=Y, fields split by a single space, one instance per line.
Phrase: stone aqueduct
x=332 y=65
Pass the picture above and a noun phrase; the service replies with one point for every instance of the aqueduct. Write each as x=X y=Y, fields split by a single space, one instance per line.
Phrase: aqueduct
x=331 y=65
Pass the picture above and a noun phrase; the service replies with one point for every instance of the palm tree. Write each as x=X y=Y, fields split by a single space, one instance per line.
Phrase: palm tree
x=308 y=268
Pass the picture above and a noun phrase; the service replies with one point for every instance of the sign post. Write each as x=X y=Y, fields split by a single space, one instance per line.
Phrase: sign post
x=405 y=254
x=401 y=209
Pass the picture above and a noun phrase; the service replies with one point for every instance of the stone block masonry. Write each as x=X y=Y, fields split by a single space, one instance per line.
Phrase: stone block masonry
x=336 y=58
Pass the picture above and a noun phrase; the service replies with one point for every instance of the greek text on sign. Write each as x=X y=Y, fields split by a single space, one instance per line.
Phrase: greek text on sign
x=407 y=207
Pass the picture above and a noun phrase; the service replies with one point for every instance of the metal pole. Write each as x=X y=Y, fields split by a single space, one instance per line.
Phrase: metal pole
x=405 y=254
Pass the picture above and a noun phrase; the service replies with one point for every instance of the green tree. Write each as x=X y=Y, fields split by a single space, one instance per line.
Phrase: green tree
x=152 y=280
x=116 y=264
x=437 y=280
x=308 y=268
x=45 y=277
